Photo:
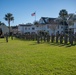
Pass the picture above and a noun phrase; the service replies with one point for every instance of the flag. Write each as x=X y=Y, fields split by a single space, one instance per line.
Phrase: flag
x=33 y=14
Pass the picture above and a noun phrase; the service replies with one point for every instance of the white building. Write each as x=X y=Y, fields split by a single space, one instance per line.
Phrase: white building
x=4 y=29
x=46 y=25
x=51 y=26
x=27 y=28
x=43 y=26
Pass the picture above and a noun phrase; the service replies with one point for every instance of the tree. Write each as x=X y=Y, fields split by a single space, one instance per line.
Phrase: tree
x=9 y=17
x=63 y=14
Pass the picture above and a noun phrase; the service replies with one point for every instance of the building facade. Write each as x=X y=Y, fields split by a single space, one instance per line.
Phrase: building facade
x=4 y=29
x=48 y=25
x=27 y=28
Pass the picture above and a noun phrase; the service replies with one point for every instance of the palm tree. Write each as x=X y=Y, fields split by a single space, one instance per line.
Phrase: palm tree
x=9 y=17
x=63 y=14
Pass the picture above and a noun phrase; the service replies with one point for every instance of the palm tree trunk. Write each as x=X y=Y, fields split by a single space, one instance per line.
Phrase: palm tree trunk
x=9 y=26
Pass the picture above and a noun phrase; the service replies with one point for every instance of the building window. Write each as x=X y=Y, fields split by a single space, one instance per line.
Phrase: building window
x=25 y=28
x=33 y=28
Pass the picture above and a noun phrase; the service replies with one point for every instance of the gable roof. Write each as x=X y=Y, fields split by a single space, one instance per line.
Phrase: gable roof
x=48 y=20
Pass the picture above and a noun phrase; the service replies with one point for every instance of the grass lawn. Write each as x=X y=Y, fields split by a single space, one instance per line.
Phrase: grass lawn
x=18 y=57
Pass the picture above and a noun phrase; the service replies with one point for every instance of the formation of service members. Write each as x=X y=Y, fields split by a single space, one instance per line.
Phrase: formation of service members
x=58 y=38
x=43 y=37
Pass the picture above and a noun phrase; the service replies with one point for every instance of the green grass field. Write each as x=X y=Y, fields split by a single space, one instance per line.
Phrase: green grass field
x=18 y=57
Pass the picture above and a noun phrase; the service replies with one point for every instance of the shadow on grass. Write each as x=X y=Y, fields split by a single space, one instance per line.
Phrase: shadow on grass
x=49 y=43
x=54 y=44
x=60 y=45
x=69 y=45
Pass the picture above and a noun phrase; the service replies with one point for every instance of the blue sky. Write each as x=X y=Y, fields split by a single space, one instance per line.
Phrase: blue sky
x=22 y=9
